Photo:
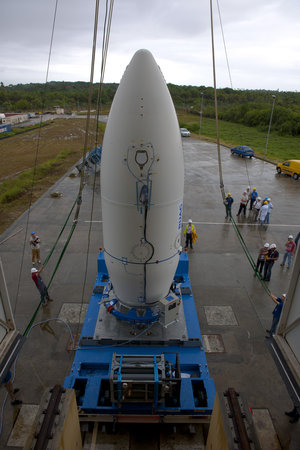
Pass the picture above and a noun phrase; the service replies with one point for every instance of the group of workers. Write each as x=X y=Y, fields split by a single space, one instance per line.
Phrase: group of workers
x=260 y=209
x=267 y=256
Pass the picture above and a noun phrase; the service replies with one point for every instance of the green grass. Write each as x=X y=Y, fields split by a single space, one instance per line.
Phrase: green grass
x=231 y=134
x=13 y=189
x=102 y=126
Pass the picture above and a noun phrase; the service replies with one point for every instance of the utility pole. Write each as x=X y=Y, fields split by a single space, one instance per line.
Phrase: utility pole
x=201 y=112
x=274 y=98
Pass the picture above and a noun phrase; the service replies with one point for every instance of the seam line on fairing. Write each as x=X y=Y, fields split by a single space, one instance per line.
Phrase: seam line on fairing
x=140 y=263
x=134 y=204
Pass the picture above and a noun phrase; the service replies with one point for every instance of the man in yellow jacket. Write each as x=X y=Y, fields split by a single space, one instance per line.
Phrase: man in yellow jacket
x=190 y=234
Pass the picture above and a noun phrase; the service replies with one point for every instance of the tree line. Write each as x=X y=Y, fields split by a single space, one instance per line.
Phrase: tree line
x=248 y=107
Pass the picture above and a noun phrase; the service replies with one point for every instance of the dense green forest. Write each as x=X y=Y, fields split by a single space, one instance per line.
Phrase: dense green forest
x=247 y=107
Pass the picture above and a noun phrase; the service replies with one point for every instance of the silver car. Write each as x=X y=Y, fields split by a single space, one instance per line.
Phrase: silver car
x=185 y=132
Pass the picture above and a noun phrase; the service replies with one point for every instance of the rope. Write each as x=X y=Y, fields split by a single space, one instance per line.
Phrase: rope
x=238 y=233
x=105 y=41
x=79 y=197
x=248 y=254
x=36 y=157
x=51 y=279
x=231 y=85
x=85 y=149
x=216 y=106
x=225 y=49
x=61 y=232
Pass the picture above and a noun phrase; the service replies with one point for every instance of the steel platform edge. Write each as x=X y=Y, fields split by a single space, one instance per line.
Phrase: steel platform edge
x=177 y=387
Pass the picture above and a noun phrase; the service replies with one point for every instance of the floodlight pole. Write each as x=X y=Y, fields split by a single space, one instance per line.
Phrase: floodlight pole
x=268 y=134
x=201 y=112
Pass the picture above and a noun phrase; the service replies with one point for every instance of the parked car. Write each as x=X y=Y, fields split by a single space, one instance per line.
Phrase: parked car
x=242 y=150
x=185 y=132
x=290 y=167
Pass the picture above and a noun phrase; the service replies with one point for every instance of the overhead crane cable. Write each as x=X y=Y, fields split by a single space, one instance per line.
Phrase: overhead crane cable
x=105 y=42
x=78 y=199
x=216 y=105
x=74 y=222
x=230 y=79
x=36 y=157
x=227 y=60
x=59 y=235
x=87 y=129
x=225 y=49
x=241 y=239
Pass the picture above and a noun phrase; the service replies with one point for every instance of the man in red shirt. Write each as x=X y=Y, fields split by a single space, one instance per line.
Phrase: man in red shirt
x=290 y=247
x=35 y=275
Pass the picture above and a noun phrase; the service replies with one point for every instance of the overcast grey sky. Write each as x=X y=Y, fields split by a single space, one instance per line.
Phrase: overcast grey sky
x=262 y=40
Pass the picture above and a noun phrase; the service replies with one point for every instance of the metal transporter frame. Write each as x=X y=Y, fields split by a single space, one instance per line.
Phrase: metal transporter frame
x=127 y=372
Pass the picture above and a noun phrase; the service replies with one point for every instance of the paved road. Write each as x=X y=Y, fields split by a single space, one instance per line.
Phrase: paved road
x=231 y=304
x=49 y=117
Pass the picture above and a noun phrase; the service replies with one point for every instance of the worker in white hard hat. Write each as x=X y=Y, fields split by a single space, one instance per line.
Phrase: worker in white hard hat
x=190 y=234
x=256 y=208
x=263 y=213
x=270 y=206
x=248 y=191
x=243 y=203
x=279 y=301
x=290 y=248
x=261 y=258
x=42 y=288
x=271 y=257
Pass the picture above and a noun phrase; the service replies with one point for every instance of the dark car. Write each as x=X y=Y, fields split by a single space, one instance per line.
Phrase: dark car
x=242 y=150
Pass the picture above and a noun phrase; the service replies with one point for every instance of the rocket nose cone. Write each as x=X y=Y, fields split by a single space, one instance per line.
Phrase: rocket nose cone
x=142 y=61
x=142 y=53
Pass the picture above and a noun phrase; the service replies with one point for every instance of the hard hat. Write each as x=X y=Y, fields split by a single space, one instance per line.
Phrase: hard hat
x=248 y=187
x=265 y=202
x=283 y=295
x=190 y=220
x=268 y=199
x=33 y=232
x=291 y=237
x=267 y=245
x=229 y=193
x=273 y=246
x=254 y=189
x=258 y=198
x=245 y=192
x=34 y=270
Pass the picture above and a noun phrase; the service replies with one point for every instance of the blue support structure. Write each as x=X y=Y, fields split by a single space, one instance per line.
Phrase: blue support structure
x=93 y=157
x=144 y=376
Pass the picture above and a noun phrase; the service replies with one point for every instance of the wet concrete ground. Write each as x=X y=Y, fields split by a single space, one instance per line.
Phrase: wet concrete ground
x=233 y=308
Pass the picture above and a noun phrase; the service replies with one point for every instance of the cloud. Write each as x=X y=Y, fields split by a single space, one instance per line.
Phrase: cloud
x=262 y=41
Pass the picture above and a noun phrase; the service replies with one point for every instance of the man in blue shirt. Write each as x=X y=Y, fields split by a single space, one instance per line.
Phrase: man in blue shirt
x=228 y=204
x=276 y=312
x=253 y=197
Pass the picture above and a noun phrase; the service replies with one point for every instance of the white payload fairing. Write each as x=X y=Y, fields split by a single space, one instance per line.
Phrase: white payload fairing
x=142 y=184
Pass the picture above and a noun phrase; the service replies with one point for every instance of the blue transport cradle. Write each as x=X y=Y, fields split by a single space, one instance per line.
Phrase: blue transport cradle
x=93 y=157
x=124 y=372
